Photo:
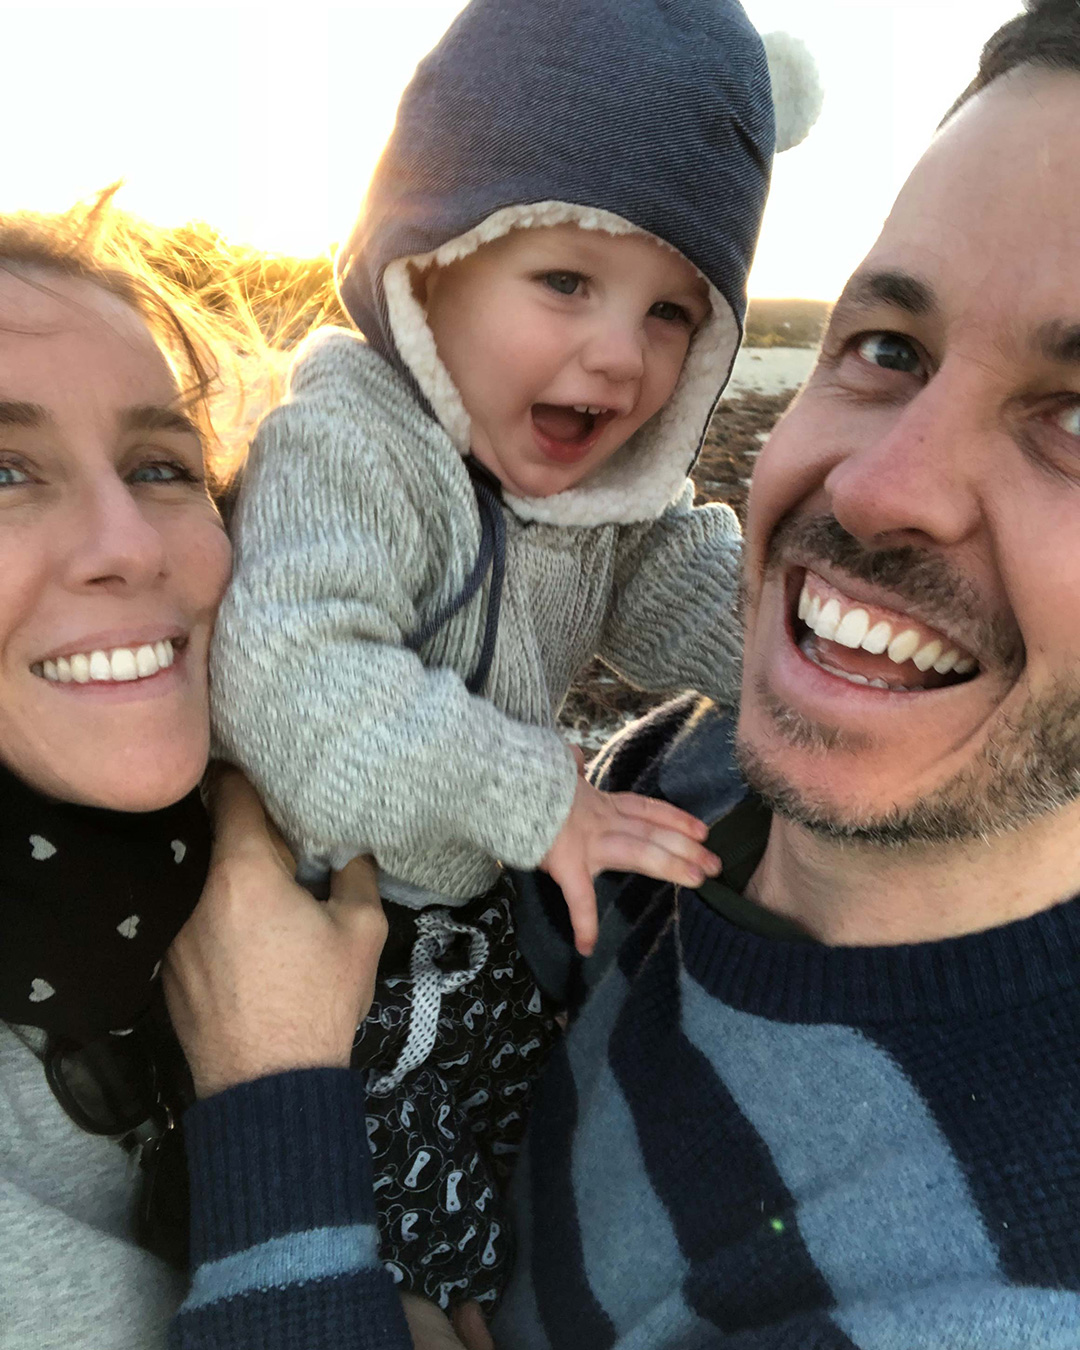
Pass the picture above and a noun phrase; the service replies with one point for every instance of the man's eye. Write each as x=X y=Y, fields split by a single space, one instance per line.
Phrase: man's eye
x=566 y=283
x=161 y=471
x=670 y=312
x=1068 y=419
x=890 y=352
x=10 y=476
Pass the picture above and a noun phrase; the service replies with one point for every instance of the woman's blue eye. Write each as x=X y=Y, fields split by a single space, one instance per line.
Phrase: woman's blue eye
x=566 y=283
x=10 y=476
x=161 y=472
x=670 y=312
x=890 y=352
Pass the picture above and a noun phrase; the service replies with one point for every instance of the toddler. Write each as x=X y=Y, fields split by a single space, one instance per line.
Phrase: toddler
x=450 y=515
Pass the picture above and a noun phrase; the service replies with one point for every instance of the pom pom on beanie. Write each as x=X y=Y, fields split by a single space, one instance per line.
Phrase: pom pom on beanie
x=796 y=86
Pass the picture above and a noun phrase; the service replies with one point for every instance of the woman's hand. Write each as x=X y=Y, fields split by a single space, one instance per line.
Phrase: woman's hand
x=263 y=978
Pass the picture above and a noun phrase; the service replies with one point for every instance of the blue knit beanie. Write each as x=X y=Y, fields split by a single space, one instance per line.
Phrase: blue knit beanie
x=653 y=115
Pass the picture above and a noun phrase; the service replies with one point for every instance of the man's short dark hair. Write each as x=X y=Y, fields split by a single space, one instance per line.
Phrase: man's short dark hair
x=1046 y=35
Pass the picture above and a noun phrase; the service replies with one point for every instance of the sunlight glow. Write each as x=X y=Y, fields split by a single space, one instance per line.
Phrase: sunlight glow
x=267 y=121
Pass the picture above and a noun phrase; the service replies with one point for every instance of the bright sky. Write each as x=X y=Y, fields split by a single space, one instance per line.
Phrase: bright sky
x=267 y=120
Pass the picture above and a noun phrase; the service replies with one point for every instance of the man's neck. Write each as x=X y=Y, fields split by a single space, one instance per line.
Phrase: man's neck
x=855 y=895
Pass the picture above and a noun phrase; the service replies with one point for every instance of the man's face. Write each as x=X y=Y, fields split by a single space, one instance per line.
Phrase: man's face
x=913 y=545
x=563 y=342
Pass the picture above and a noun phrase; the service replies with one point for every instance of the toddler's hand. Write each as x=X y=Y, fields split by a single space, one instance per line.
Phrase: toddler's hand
x=622 y=832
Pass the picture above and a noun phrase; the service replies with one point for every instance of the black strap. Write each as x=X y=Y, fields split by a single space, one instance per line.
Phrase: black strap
x=491 y=554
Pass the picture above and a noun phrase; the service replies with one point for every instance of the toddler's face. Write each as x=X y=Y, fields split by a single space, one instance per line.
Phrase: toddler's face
x=562 y=342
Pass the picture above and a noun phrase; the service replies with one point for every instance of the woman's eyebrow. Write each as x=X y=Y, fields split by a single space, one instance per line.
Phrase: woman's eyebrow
x=157 y=417
x=16 y=414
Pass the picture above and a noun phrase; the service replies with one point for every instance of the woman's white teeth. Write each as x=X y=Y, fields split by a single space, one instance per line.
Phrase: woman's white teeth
x=116 y=666
x=853 y=629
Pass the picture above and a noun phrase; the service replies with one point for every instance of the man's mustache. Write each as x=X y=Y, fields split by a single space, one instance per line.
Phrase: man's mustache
x=921 y=577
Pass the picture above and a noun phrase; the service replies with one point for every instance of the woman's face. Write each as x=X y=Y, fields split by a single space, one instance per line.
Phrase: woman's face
x=112 y=556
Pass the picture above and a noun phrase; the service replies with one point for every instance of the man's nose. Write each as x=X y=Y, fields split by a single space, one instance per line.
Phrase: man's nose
x=112 y=545
x=920 y=476
x=615 y=349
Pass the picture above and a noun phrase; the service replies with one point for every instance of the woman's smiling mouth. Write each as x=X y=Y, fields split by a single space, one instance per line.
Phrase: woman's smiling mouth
x=112 y=665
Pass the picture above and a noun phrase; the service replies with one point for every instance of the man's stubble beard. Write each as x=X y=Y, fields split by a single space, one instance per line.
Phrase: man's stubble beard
x=1029 y=767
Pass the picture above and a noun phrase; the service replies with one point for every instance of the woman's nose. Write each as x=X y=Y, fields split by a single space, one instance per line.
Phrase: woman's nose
x=920 y=476
x=113 y=543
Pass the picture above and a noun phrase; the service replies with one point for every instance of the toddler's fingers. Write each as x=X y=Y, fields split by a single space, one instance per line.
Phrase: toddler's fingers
x=579 y=896
x=659 y=813
x=646 y=855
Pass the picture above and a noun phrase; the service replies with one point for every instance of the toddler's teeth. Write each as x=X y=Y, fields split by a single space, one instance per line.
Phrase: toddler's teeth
x=100 y=669
x=80 y=669
x=581 y=407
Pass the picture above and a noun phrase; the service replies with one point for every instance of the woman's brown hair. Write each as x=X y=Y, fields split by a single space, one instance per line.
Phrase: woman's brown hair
x=194 y=307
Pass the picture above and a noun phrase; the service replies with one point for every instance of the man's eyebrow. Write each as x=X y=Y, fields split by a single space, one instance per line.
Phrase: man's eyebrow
x=14 y=414
x=898 y=289
x=157 y=417
x=1059 y=341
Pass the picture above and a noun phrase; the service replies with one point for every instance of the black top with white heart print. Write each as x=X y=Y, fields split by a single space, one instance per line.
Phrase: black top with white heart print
x=89 y=902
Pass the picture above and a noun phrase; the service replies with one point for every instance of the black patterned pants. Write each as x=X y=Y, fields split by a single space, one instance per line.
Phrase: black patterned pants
x=444 y=1140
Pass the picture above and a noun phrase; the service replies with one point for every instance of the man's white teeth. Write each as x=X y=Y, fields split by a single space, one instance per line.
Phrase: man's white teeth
x=853 y=629
x=116 y=666
x=587 y=408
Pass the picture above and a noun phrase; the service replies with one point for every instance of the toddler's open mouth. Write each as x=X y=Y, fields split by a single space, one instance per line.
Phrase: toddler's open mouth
x=567 y=433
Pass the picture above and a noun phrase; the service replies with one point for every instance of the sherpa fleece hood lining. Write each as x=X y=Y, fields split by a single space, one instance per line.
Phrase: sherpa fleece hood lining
x=646 y=474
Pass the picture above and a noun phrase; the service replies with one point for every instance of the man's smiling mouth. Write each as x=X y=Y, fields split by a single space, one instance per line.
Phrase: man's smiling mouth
x=873 y=646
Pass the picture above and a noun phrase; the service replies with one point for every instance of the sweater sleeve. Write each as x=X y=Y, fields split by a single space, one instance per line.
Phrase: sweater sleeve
x=284 y=1246
x=355 y=746
x=672 y=621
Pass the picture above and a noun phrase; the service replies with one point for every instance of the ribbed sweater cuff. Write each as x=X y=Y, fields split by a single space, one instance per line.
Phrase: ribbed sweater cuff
x=279 y=1155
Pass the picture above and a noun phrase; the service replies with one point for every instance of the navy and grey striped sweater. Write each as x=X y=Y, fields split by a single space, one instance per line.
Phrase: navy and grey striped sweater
x=743 y=1144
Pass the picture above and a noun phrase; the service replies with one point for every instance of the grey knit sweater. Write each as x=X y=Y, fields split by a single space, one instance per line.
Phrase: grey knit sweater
x=357 y=521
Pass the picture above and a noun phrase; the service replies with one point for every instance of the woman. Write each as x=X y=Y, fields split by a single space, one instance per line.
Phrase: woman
x=112 y=561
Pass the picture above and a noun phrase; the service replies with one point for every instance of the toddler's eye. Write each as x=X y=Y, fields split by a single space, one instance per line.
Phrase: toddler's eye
x=671 y=312
x=891 y=352
x=161 y=471
x=566 y=283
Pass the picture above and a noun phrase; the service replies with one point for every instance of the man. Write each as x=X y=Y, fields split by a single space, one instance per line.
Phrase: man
x=833 y=1099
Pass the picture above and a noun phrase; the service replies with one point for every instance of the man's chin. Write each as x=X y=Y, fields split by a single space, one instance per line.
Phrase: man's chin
x=845 y=788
